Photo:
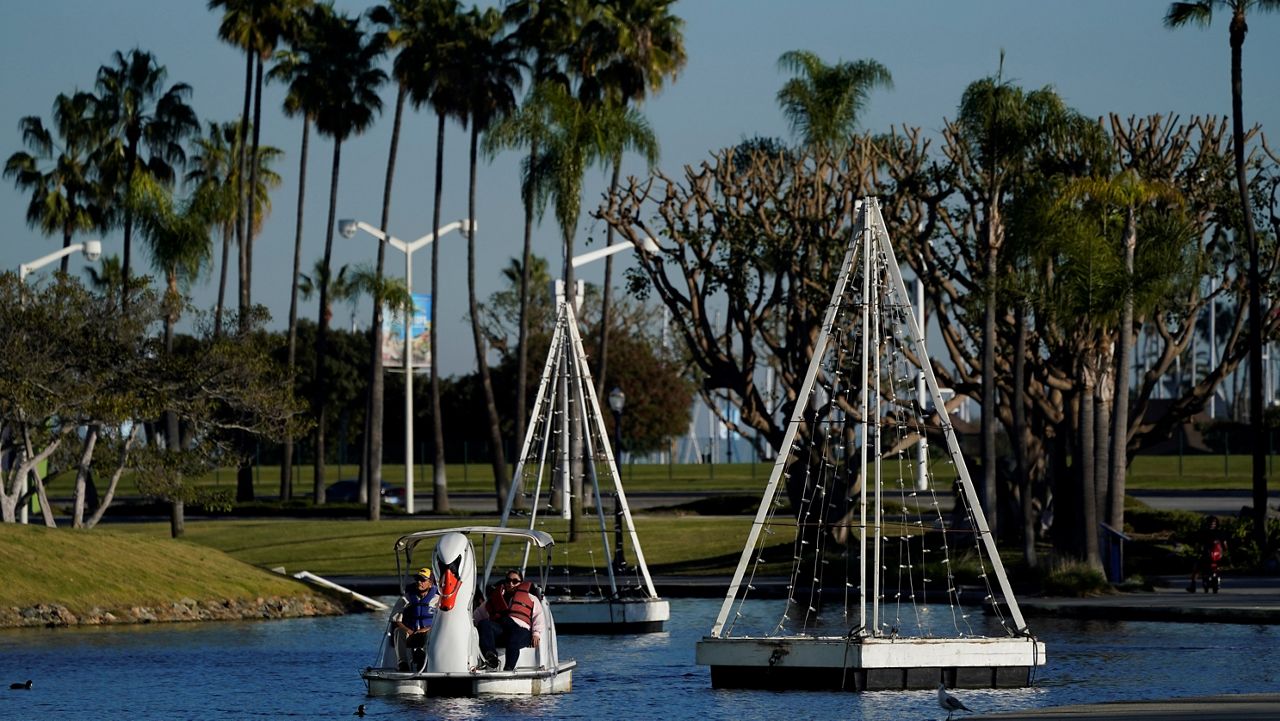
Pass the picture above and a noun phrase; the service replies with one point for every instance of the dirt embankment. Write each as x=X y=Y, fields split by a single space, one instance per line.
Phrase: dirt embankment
x=186 y=609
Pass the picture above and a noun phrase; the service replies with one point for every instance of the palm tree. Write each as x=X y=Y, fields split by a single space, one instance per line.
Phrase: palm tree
x=436 y=79
x=108 y=277
x=257 y=27
x=527 y=126
x=648 y=48
x=177 y=238
x=1000 y=125
x=347 y=106
x=1127 y=193
x=490 y=93
x=339 y=286
x=543 y=33
x=301 y=69
x=403 y=31
x=1200 y=12
x=823 y=101
x=214 y=171
x=581 y=135
x=141 y=115
x=65 y=198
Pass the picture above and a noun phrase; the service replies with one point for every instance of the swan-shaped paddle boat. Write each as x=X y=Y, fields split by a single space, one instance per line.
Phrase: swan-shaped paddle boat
x=453 y=665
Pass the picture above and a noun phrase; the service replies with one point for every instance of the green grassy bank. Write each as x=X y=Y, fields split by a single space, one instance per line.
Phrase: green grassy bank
x=109 y=569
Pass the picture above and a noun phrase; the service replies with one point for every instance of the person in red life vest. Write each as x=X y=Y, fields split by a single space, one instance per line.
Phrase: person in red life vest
x=512 y=616
x=415 y=618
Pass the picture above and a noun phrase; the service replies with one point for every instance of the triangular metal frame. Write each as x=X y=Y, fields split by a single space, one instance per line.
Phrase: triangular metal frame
x=870 y=236
x=567 y=354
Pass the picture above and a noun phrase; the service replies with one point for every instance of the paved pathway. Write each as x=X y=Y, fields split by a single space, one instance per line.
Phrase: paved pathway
x=1241 y=600
x=1244 y=707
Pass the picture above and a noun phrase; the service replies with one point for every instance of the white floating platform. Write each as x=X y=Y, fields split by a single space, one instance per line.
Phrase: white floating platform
x=869 y=664
x=608 y=616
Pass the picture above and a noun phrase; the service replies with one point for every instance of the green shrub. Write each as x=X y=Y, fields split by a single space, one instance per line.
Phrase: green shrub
x=1073 y=578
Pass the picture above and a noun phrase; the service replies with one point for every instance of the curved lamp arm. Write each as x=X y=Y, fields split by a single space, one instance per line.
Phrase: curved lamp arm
x=648 y=245
x=348 y=228
x=92 y=250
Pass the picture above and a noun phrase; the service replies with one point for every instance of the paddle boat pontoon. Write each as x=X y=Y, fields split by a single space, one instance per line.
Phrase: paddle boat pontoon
x=453 y=665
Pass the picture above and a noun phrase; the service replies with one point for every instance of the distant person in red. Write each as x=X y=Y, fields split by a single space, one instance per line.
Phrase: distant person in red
x=513 y=616
x=1210 y=548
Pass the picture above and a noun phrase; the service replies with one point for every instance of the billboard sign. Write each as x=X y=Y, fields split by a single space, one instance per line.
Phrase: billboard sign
x=419 y=334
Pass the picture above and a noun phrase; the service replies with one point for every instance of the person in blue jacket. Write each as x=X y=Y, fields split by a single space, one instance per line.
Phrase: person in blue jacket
x=415 y=619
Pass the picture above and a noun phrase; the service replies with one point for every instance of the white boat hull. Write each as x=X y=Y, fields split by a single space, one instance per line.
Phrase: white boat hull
x=601 y=615
x=869 y=664
x=521 y=682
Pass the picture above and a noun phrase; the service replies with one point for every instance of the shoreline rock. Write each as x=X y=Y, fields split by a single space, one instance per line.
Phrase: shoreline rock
x=53 y=615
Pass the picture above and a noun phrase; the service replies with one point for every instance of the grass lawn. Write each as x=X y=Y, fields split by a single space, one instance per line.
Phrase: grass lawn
x=671 y=544
x=1206 y=472
x=1202 y=472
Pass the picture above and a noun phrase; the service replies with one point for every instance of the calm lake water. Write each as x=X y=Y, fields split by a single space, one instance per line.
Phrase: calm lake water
x=309 y=669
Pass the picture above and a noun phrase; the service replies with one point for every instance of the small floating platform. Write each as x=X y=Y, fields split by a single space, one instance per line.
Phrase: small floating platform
x=610 y=616
x=837 y=663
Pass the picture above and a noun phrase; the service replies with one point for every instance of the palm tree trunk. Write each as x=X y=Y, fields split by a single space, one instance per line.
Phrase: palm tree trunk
x=286 y=464
x=253 y=185
x=244 y=473
x=1104 y=391
x=177 y=520
x=500 y=483
x=1020 y=438
x=322 y=331
x=65 y=266
x=526 y=257
x=605 y=301
x=222 y=280
x=1119 y=461
x=1088 y=493
x=988 y=427
x=377 y=389
x=439 y=479
x=171 y=299
x=242 y=234
x=130 y=158
x=1256 y=319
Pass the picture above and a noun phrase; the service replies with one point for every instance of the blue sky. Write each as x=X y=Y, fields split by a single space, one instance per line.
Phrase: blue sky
x=1101 y=55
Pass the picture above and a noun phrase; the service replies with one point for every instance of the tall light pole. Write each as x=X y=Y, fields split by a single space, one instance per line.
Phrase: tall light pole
x=648 y=245
x=617 y=400
x=348 y=229
x=92 y=250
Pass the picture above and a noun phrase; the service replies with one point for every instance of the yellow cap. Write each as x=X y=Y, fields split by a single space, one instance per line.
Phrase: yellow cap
x=423 y=573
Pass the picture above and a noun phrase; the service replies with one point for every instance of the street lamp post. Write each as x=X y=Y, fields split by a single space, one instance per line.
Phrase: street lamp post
x=560 y=293
x=617 y=400
x=92 y=250
x=348 y=229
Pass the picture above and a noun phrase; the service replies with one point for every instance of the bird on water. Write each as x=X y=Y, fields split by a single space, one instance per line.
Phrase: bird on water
x=950 y=703
x=359 y=711
x=21 y=686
